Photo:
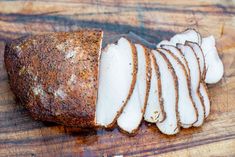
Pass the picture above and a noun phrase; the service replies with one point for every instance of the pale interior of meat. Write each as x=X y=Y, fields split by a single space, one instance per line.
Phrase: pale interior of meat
x=169 y=95
x=186 y=107
x=206 y=100
x=115 y=79
x=214 y=65
x=132 y=114
x=195 y=80
x=154 y=110
x=178 y=54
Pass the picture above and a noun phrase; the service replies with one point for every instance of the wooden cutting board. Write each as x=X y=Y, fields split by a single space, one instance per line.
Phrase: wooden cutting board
x=20 y=135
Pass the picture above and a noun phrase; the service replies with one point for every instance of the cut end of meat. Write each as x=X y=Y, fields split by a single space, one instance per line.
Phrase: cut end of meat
x=132 y=114
x=117 y=77
x=214 y=65
x=169 y=95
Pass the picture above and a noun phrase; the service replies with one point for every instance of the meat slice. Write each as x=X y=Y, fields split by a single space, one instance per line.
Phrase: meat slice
x=55 y=75
x=195 y=81
x=186 y=106
x=169 y=91
x=214 y=65
x=132 y=115
x=202 y=88
x=154 y=110
x=117 y=77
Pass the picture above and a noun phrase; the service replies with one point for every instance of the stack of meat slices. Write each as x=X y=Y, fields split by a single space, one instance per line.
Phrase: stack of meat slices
x=165 y=86
x=169 y=86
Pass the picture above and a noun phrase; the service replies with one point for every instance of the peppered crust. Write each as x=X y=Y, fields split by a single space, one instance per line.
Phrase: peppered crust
x=55 y=75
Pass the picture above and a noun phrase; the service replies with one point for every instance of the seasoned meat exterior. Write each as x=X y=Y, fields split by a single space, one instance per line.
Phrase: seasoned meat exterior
x=55 y=75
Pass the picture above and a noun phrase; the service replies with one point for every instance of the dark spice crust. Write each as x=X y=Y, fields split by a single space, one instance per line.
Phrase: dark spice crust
x=55 y=75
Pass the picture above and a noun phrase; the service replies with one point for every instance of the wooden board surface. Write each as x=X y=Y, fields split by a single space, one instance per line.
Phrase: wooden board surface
x=20 y=135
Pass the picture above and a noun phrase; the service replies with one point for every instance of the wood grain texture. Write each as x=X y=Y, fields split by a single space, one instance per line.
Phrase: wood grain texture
x=20 y=135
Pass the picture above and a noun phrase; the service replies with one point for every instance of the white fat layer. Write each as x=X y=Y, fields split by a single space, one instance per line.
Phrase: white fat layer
x=169 y=125
x=153 y=111
x=115 y=78
x=132 y=114
x=205 y=97
x=195 y=80
x=187 y=112
x=175 y=51
x=214 y=65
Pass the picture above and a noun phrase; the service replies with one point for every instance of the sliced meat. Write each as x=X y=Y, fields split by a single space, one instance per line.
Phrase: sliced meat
x=186 y=106
x=154 y=110
x=169 y=91
x=195 y=80
x=178 y=54
x=132 y=115
x=55 y=75
x=214 y=65
x=202 y=88
x=118 y=68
